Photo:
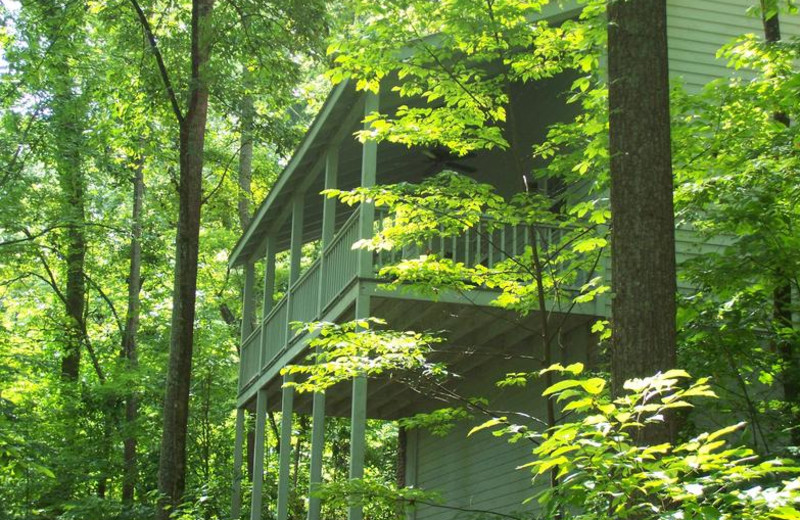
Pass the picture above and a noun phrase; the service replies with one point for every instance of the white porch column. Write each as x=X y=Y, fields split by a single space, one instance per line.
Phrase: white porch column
x=258 y=455
x=287 y=405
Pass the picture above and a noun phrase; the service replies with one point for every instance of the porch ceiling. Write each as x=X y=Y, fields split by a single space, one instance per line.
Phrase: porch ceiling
x=479 y=340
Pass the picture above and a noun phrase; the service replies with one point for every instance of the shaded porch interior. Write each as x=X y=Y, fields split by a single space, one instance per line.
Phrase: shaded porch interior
x=480 y=340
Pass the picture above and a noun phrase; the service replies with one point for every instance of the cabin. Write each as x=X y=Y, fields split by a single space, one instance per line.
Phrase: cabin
x=328 y=280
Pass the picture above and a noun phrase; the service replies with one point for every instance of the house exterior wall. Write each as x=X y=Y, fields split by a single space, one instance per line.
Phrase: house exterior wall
x=479 y=472
x=698 y=28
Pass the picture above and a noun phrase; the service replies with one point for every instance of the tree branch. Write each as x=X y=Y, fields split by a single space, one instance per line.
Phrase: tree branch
x=162 y=68
x=108 y=301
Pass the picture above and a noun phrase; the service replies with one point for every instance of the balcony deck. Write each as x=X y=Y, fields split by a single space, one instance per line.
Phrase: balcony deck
x=329 y=287
x=327 y=290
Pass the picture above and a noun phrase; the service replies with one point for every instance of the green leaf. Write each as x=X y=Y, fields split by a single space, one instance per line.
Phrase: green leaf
x=488 y=424
x=562 y=385
x=594 y=386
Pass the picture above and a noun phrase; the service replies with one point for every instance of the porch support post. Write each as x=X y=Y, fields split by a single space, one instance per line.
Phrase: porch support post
x=238 y=446
x=369 y=169
x=248 y=313
x=258 y=463
x=268 y=299
x=296 y=246
x=358 y=407
x=317 y=448
x=269 y=276
x=248 y=300
x=329 y=204
x=287 y=404
x=328 y=222
x=295 y=258
x=358 y=417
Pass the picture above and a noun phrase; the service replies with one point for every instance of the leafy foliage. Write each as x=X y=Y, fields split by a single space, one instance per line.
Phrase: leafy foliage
x=605 y=472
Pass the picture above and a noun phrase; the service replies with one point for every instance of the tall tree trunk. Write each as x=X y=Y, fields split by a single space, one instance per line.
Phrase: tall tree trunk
x=782 y=295
x=67 y=116
x=172 y=460
x=642 y=215
x=129 y=348
x=246 y=161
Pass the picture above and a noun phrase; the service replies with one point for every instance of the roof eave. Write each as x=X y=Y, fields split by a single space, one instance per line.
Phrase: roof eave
x=236 y=257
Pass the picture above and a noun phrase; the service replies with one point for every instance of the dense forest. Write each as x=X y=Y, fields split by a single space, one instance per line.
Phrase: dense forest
x=138 y=138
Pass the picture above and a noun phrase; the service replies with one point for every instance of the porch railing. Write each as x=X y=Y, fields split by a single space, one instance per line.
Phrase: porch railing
x=339 y=261
x=337 y=266
x=249 y=362
x=488 y=243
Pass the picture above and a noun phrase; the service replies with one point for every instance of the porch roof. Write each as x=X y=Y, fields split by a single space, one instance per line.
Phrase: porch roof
x=299 y=172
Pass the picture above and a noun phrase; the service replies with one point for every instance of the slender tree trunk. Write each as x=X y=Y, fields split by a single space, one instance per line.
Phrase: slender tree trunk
x=67 y=116
x=246 y=161
x=172 y=461
x=643 y=223
x=782 y=295
x=129 y=347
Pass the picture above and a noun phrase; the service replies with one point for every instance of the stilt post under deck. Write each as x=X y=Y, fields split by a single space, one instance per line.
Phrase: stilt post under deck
x=318 y=410
x=317 y=449
x=358 y=418
x=258 y=463
x=238 y=447
x=287 y=405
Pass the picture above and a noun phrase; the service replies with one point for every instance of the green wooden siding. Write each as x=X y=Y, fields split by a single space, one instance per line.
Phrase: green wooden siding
x=698 y=28
x=479 y=472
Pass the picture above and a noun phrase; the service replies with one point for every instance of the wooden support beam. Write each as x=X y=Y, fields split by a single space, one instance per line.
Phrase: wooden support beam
x=248 y=301
x=287 y=404
x=238 y=447
x=412 y=449
x=296 y=247
x=248 y=314
x=358 y=417
x=267 y=302
x=369 y=170
x=328 y=221
x=258 y=455
x=328 y=204
x=295 y=258
x=317 y=449
x=358 y=427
